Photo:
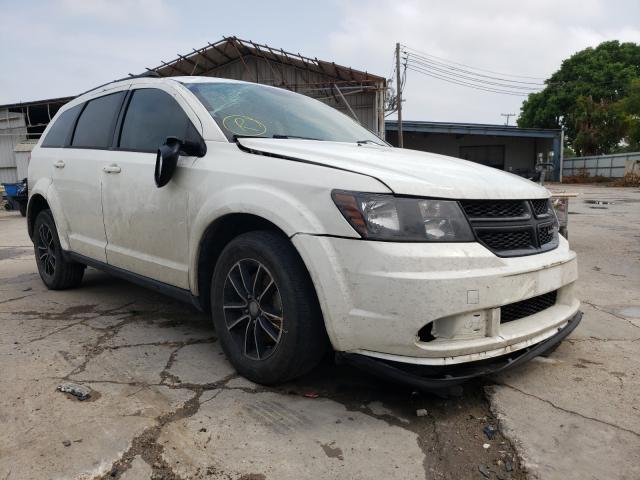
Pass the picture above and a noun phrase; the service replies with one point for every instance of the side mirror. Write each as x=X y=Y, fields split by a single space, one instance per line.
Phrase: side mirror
x=168 y=154
x=167 y=161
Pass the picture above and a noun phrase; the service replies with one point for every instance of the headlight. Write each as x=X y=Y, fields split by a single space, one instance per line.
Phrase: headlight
x=400 y=219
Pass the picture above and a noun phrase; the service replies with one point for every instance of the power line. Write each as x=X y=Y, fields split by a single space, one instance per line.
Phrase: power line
x=419 y=58
x=473 y=68
x=481 y=81
x=466 y=84
x=444 y=63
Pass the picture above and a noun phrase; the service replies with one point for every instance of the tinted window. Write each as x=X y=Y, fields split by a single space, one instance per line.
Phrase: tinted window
x=96 y=122
x=152 y=116
x=61 y=128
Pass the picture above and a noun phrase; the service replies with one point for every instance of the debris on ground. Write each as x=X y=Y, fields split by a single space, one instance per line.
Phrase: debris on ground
x=486 y=445
x=508 y=465
x=489 y=431
x=79 y=391
x=311 y=394
x=421 y=412
x=66 y=443
x=486 y=473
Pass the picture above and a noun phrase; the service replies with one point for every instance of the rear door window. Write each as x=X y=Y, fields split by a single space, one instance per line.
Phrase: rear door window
x=152 y=116
x=60 y=131
x=97 y=122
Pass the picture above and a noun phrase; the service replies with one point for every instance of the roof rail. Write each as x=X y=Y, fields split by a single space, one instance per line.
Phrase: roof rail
x=147 y=74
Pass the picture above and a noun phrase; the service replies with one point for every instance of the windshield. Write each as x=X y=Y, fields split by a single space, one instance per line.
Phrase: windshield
x=252 y=110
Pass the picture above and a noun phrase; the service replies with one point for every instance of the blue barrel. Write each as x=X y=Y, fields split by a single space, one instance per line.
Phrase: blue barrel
x=11 y=189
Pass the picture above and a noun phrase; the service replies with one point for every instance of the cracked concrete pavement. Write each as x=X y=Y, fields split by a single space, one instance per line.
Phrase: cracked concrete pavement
x=166 y=404
x=576 y=415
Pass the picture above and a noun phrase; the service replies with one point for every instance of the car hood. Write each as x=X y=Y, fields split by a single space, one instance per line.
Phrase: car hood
x=404 y=171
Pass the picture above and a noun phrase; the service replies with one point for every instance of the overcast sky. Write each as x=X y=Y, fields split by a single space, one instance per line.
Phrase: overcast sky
x=62 y=47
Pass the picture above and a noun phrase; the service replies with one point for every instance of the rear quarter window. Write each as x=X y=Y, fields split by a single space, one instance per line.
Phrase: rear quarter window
x=97 y=122
x=60 y=130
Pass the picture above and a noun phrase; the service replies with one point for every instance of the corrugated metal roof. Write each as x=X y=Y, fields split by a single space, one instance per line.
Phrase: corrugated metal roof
x=471 y=129
x=34 y=103
x=230 y=49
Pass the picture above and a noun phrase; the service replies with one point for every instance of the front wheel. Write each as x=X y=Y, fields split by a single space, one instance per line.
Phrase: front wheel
x=56 y=272
x=265 y=309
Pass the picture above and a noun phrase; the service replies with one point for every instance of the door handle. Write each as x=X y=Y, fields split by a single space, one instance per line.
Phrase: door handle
x=59 y=164
x=111 y=169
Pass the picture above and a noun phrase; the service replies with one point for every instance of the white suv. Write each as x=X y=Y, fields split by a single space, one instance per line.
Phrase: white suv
x=298 y=230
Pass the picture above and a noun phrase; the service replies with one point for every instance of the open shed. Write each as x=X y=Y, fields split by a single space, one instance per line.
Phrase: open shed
x=356 y=93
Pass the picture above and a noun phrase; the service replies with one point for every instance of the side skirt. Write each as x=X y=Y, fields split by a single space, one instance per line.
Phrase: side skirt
x=164 y=288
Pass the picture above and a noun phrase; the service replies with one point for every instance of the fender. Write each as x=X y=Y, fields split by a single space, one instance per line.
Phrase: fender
x=44 y=188
x=278 y=207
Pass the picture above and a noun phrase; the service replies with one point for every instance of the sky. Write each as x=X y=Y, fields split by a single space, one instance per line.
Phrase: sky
x=60 y=48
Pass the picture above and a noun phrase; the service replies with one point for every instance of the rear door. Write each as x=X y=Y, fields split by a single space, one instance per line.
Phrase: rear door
x=146 y=226
x=77 y=174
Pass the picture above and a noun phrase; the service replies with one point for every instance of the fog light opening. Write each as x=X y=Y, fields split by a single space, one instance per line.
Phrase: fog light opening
x=425 y=333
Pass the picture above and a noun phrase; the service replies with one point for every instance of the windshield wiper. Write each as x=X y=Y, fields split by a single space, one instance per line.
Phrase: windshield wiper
x=236 y=137
x=294 y=136
x=276 y=136
x=364 y=142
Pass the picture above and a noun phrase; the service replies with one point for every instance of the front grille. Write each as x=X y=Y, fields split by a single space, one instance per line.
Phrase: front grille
x=546 y=233
x=511 y=228
x=506 y=240
x=494 y=208
x=540 y=207
x=528 y=307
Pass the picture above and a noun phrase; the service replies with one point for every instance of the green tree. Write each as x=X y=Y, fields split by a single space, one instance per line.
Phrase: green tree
x=583 y=97
x=630 y=106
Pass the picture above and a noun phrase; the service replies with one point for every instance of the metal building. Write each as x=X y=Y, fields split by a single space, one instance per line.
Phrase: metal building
x=353 y=92
x=20 y=122
x=512 y=149
x=12 y=132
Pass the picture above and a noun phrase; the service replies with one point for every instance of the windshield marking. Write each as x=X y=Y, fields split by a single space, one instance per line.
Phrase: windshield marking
x=244 y=125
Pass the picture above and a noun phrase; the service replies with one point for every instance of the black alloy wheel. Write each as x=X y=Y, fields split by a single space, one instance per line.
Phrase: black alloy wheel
x=253 y=309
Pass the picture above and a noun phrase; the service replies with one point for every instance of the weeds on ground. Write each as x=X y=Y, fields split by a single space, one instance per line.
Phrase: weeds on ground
x=583 y=176
x=629 y=180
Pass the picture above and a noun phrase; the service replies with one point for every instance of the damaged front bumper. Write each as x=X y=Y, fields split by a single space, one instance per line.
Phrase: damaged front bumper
x=439 y=378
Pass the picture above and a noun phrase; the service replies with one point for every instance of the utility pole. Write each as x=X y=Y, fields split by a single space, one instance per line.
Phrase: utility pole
x=508 y=115
x=399 y=96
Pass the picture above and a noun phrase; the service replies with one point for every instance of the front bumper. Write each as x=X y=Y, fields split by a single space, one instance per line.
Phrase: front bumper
x=377 y=296
x=442 y=378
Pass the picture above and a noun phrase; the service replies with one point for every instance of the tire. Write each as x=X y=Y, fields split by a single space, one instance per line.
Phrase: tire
x=272 y=328
x=56 y=272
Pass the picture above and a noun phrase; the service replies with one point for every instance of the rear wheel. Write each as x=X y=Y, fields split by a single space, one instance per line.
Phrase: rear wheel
x=56 y=272
x=265 y=309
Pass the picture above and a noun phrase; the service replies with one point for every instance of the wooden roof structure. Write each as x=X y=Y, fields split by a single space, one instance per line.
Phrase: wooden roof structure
x=205 y=60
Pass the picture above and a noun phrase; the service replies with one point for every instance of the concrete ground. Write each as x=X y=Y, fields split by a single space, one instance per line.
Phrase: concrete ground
x=576 y=415
x=165 y=403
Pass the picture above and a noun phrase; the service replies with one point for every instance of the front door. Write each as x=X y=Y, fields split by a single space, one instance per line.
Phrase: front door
x=146 y=226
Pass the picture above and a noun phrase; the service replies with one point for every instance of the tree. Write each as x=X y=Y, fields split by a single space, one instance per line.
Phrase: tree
x=630 y=106
x=583 y=97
